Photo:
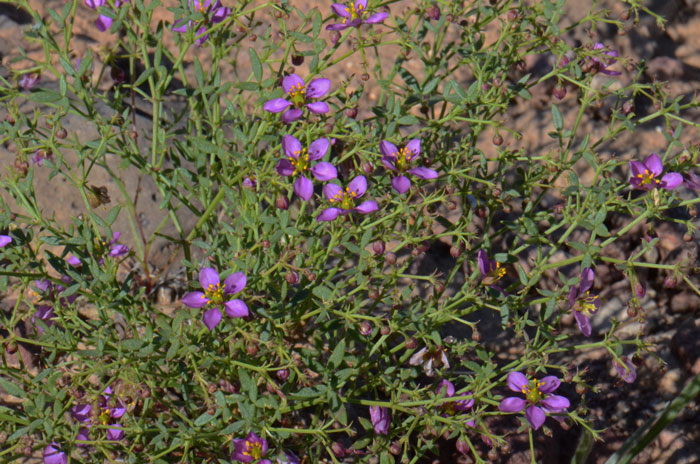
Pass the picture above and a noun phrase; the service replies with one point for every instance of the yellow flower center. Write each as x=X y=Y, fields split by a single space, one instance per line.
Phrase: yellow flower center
x=355 y=13
x=297 y=94
x=215 y=293
x=403 y=156
x=532 y=391
x=301 y=162
x=345 y=198
x=586 y=303
x=495 y=275
x=253 y=449
x=647 y=178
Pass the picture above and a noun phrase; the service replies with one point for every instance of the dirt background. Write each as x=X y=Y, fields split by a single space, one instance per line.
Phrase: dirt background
x=672 y=316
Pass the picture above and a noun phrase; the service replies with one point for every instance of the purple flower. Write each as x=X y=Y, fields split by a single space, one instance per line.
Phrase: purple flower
x=109 y=408
x=28 y=81
x=491 y=271
x=213 y=13
x=602 y=64
x=582 y=302
x=345 y=199
x=445 y=387
x=298 y=96
x=103 y=22
x=49 y=293
x=299 y=161
x=430 y=359
x=250 y=449
x=380 y=419
x=214 y=295
x=693 y=181
x=537 y=398
x=352 y=15
x=54 y=455
x=5 y=240
x=626 y=371
x=39 y=157
x=644 y=175
x=398 y=160
x=289 y=458
x=117 y=249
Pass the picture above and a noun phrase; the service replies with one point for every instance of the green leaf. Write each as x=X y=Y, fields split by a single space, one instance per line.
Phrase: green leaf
x=337 y=355
x=203 y=419
x=255 y=64
x=132 y=344
x=322 y=292
x=407 y=120
x=11 y=388
x=556 y=118
x=44 y=96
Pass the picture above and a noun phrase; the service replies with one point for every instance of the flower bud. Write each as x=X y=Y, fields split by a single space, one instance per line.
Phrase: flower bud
x=411 y=343
x=497 y=140
x=373 y=293
x=560 y=92
x=338 y=449
x=385 y=330
x=282 y=374
x=365 y=328
x=61 y=133
x=476 y=336
x=512 y=15
x=439 y=287
x=282 y=202
x=631 y=310
x=364 y=77
x=351 y=112
x=390 y=258
x=211 y=388
x=266 y=244
x=311 y=276
x=580 y=388
x=335 y=37
x=395 y=448
x=292 y=277
x=450 y=18
x=558 y=208
x=378 y=247
x=462 y=446
x=688 y=237
x=640 y=289
x=455 y=252
x=670 y=282
x=628 y=107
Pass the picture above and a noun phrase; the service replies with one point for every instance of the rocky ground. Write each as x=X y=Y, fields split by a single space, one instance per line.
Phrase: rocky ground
x=671 y=315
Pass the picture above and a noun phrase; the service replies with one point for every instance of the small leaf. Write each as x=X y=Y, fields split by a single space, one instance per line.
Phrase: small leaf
x=556 y=118
x=255 y=64
x=338 y=354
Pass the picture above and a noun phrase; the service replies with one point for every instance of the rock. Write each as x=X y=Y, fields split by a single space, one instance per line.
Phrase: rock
x=685 y=346
x=684 y=302
x=671 y=383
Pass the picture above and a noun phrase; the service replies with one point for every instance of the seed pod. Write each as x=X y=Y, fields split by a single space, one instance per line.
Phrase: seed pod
x=390 y=258
x=580 y=388
x=411 y=343
x=670 y=282
x=61 y=133
x=455 y=252
x=560 y=92
x=297 y=60
x=351 y=112
x=292 y=277
x=385 y=330
x=497 y=140
x=282 y=202
x=395 y=448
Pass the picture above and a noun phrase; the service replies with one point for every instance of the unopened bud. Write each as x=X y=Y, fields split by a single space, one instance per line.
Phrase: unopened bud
x=282 y=202
x=251 y=349
x=628 y=107
x=688 y=237
x=476 y=336
x=351 y=112
x=365 y=328
x=560 y=92
x=364 y=77
x=481 y=212
x=395 y=448
x=580 y=388
x=378 y=247
x=455 y=252
x=558 y=208
x=390 y=258
x=385 y=330
x=631 y=310
x=335 y=37
x=373 y=293
x=266 y=244
x=497 y=140
x=338 y=449
x=282 y=374
x=61 y=133
x=462 y=446
x=439 y=287
x=640 y=289
x=521 y=66
x=670 y=282
x=292 y=277
x=512 y=15
x=433 y=12
x=411 y=343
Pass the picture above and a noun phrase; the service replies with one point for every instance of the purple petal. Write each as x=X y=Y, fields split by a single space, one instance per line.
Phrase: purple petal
x=332 y=191
x=367 y=207
x=516 y=381
x=551 y=383
x=388 y=149
x=693 y=181
x=181 y=26
x=115 y=432
x=291 y=115
x=5 y=240
x=340 y=10
x=485 y=267
x=555 y=403
x=195 y=300
x=671 y=180
x=360 y=5
x=637 y=168
x=376 y=18
x=304 y=188
x=573 y=294
x=116 y=413
x=584 y=324
x=236 y=308
x=276 y=105
x=445 y=387
x=401 y=184
x=73 y=261
x=605 y=70
x=587 y=278
x=413 y=146
x=212 y=318
x=389 y=162
x=318 y=107
x=208 y=277
x=291 y=146
x=358 y=186
x=317 y=88
x=239 y=446
x=318 y=149
x=118 y=250
x=424 y=173
x=324 y=171
x=535 y=416
x=84 y=435
x=285 y=168
x=328 y=214
x=82 y=412
x=220 y=14
x=103 y=23
x=337 y=27
x=292 y=82
x=94 y=4
x=627 y=372
x=653 y=164
x=53 y=454
x=512 y=404
x=380 y=419
x=234 y=283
